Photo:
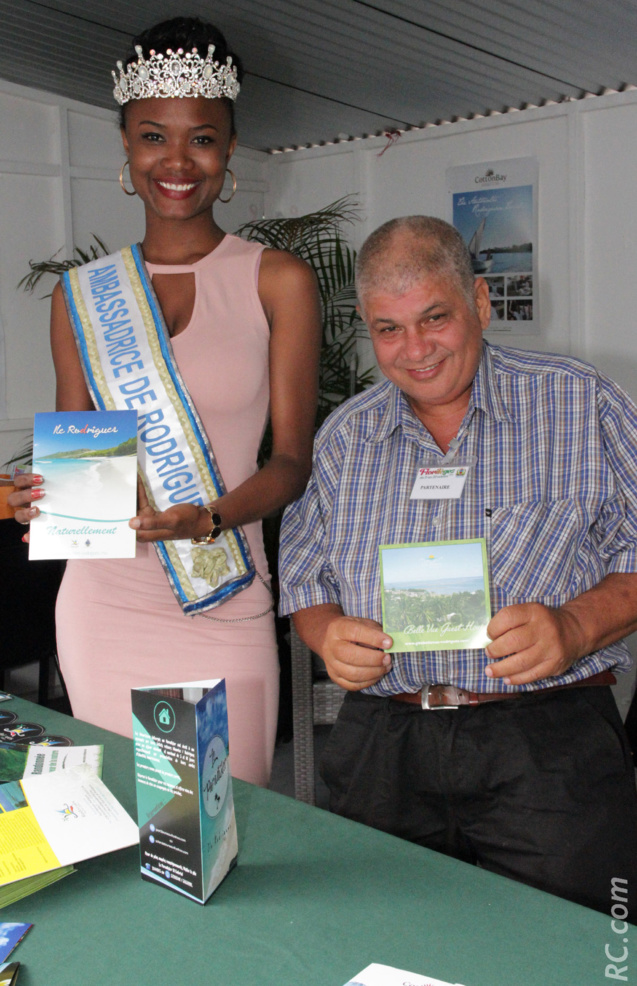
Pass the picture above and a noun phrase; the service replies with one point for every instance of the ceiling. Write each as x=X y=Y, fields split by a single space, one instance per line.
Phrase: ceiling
x=329 y=69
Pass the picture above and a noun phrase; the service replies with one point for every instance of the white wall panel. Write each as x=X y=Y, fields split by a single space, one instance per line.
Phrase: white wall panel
x=101 y=207
x=308 y=180
x=28 y=130
x=249 y=166
x=94 y=141
x=245 y=207
x=27 y=207
x=609 y=248
x=248 y=203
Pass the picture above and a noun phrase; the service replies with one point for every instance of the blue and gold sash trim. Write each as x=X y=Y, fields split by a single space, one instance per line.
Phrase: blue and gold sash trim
x=128 y=364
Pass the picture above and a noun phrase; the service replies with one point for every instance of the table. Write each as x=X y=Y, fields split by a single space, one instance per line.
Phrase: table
x=315 y=899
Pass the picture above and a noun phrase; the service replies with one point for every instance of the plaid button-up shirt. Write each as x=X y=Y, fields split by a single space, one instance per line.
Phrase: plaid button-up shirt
x=553 y=490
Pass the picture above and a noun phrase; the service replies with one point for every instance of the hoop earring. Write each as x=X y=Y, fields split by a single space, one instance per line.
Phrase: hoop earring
x=121 y=179
x=234 y=187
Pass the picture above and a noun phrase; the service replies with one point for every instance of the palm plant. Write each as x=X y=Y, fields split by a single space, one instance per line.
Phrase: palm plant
x=57 y=267
x=318 y=239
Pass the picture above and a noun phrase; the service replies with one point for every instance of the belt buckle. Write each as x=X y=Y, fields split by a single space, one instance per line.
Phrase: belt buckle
x=424 y=700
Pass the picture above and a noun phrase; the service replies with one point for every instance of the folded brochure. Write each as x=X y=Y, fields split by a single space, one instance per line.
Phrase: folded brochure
x=11 y=934
x=66 y=817
x=185 y=806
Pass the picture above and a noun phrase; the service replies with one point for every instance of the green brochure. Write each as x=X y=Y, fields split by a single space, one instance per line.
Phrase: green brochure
x=435 y=595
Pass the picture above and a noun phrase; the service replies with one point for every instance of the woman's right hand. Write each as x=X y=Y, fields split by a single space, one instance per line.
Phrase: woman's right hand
x=28 y=488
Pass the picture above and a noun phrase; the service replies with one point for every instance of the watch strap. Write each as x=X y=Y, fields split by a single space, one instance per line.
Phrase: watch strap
x=215 y=530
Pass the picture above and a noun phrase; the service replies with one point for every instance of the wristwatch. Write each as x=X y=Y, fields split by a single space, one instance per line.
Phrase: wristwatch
x=216 y=527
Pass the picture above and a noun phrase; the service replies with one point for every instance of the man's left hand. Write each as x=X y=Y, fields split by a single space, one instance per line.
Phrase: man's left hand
x=532 y=641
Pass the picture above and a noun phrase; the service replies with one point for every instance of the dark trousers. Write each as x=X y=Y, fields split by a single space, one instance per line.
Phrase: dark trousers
x=540 y=788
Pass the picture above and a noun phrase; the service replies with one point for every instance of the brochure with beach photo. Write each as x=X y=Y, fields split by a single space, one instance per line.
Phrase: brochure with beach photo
x=435 y=595
x=89 y=463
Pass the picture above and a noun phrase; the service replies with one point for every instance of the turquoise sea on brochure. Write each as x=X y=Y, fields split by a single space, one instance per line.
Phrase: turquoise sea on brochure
x=105 y=486
x=89 y=463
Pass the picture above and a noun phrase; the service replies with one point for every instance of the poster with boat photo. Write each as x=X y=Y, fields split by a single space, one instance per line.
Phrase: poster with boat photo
x=435 y=595
x=89 y=463
x=494 y=207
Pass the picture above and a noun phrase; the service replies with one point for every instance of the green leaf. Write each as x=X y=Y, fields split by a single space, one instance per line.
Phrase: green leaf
x=318 y=239
x=40 y=268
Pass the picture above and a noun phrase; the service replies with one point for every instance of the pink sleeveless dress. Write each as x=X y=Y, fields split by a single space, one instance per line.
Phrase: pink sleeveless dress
x=119 y=625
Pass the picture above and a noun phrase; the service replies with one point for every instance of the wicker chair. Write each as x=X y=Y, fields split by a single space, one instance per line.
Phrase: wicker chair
x=315 y=701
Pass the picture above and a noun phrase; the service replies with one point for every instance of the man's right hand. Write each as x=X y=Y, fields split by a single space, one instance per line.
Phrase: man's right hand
x=352 y=647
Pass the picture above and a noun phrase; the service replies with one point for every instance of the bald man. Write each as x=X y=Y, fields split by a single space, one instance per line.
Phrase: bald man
x=512 y=757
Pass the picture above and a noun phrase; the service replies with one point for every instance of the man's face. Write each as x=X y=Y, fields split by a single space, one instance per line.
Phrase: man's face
x=428 y=341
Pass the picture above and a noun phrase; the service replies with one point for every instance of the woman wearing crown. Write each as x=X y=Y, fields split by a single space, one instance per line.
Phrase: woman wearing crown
x=202 y=333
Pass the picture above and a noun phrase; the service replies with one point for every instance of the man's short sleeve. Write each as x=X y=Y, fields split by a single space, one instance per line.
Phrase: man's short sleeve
x=616 y=533
x=305 y=576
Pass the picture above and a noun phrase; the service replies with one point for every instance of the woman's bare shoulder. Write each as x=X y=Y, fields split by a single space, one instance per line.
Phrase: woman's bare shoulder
x=280 y=262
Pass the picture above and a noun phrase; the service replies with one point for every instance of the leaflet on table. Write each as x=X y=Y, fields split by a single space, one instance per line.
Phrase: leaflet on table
x=185 y=807
x=24 y=851
x=9 y=973
x=17 y=761
x=435 y=595
x=89 y=463
x=11 y=934
x=19 y=889
x=78 y=815
x=59 y=819
x=385 y=975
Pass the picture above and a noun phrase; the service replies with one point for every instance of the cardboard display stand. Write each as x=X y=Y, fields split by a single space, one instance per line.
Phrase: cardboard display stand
x=187 y=829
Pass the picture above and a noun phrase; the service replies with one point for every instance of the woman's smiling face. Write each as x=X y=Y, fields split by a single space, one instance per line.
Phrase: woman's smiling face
x=178 y=150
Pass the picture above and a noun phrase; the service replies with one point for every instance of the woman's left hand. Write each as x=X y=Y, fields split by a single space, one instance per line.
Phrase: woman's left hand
x=178 y=523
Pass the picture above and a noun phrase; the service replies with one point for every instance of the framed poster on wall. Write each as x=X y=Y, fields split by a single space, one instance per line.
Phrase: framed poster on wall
x=494 y=207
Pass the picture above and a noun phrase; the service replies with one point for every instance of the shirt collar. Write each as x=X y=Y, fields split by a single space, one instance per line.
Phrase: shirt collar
x=485 y=396
x=396 y=413
x=485 y=392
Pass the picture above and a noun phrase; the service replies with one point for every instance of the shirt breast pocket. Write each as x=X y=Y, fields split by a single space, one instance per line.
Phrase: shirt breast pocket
x=534 y=551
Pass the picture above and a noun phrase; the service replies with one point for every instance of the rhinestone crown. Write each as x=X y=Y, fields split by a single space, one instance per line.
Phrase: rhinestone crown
x=177 y=73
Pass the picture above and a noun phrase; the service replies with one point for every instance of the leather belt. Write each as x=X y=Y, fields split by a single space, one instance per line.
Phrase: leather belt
x=451 y=697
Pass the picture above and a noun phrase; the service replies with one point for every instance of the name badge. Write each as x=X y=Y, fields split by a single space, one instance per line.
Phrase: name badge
x=444 y=482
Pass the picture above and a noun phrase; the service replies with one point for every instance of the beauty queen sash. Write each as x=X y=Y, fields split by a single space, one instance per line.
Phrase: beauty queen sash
x=128 y=364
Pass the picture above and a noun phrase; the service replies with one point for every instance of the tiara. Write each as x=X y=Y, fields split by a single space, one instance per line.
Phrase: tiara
x=177 y=73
